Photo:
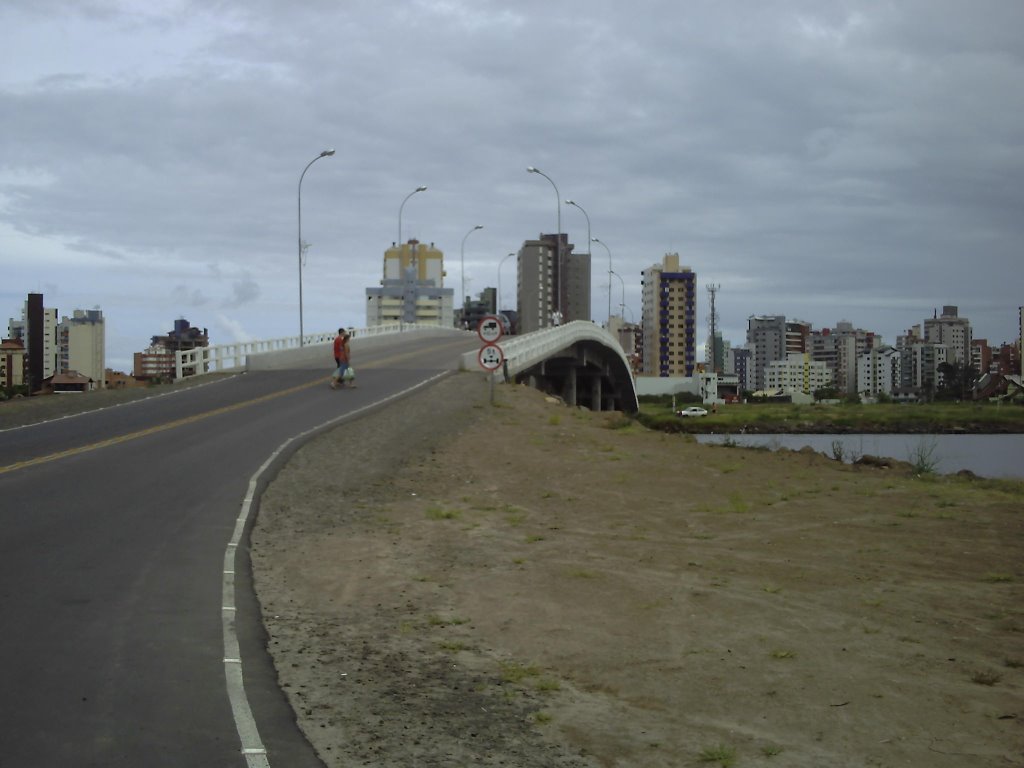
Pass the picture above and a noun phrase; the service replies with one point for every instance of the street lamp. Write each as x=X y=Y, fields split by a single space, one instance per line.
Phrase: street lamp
x=325 y=153
x=503 y=260
x=596 y=240
x=573 y=202
x=418 y=189
x=462 y=266
x=623 y=305
x=558 y=251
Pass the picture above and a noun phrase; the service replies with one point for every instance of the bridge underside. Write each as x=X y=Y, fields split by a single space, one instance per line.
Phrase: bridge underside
x=584 y=375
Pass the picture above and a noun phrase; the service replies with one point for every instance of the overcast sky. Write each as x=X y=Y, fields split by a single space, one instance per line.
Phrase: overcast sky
x=822 y=160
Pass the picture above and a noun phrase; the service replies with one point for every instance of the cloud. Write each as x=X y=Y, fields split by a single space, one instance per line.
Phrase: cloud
x=788 y=150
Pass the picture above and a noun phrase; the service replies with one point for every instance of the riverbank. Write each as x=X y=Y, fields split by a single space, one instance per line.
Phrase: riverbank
x=448 y=583
x=844 y=418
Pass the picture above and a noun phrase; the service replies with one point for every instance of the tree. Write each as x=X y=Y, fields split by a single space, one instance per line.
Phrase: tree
x=957 y=381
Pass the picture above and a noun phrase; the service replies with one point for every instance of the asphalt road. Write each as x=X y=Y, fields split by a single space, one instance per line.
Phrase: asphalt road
x=113 y=531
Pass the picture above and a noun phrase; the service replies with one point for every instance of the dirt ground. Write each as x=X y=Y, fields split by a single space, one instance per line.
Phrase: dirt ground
x=450 y=583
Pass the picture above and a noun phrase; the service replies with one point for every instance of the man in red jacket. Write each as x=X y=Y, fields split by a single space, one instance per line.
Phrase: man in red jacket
x=342 y=356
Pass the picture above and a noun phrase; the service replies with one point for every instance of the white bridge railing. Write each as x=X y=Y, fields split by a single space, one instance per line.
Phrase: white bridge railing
x=522 y=352
x=232 y=357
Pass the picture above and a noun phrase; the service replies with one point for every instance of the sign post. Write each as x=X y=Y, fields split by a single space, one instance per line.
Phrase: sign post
x=490 y=357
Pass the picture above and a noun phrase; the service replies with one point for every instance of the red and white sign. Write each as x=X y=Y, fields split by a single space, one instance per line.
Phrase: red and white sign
x=490 y=357
x=489 y=329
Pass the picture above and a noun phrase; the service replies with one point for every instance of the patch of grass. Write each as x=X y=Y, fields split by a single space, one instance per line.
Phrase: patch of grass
x=554 y=420
x=997 y=578
x=581 y=573
x=922 y=457
x=1013 y=663
x=540 y=717
x=618 y=422
x=547 y=685
x=986 y=677
x=534 y=539
x=516 y=673
x=721 y=754
x=438 y=513
x=771 y=750
x=453 y=645
x=771 y=590
x=782 y=654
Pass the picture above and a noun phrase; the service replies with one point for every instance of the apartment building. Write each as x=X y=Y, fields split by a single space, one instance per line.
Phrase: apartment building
x=549 y=293
x=879 y=371
x=840 y=348
x=37 y=330
x=952 y=331
x=669 y=319
x=411 y=288
x=771 y=338
x=12 y=363
x=159 y=360
x=737 y=361
x=797 y=373
x=81 y=342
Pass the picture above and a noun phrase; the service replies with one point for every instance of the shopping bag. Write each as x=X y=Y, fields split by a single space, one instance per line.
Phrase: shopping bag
x=350 y=373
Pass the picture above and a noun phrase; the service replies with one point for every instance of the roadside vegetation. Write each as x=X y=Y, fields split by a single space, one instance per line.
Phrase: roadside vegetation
x=818 y=418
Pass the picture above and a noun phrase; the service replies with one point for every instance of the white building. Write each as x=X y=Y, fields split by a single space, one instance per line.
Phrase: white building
x=797 y=373
x=879 y=372
x=951 y=331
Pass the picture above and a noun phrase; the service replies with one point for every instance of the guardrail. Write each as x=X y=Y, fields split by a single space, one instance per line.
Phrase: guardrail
x=232 y=357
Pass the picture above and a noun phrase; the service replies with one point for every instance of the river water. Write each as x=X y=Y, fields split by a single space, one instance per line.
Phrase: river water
x=984 y=455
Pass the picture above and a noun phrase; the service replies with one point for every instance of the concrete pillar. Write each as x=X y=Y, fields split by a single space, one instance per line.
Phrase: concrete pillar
x=569 y=393
x=596 y=403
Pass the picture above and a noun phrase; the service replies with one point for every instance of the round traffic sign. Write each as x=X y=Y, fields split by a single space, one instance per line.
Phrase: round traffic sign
x=490 y=357
x=489 y=329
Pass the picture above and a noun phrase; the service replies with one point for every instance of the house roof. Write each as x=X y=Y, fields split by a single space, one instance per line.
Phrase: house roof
x=69 y=377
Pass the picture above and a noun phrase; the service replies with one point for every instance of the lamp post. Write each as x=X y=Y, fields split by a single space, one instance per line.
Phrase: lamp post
x=462 y=265
x=503 y=260
x=596 y=240
x=577 y=205
x=418 y=189
x=558 y=249
x=325 y=153
x=623 y=282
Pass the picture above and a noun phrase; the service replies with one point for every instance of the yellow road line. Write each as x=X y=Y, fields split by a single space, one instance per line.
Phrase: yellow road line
x=153 y=430
x=194 y=418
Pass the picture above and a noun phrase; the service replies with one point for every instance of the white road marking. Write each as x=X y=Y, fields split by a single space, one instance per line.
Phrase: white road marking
x=252 y=746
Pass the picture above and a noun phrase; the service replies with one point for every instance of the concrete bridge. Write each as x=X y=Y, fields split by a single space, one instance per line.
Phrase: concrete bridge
x=580 y=362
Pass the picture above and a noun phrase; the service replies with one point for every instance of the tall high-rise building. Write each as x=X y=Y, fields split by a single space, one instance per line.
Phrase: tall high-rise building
x=539 y=279
x=669 y=318
x=839 y=348
x=412 y=288
x=37 y=329
x=951 y=331
x=771 y=338
x=81 y=341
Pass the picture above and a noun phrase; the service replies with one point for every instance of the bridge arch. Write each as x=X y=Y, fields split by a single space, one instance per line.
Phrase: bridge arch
x=579 y=361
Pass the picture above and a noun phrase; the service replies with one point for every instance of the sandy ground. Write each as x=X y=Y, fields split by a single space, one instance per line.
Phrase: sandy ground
x=450 y=583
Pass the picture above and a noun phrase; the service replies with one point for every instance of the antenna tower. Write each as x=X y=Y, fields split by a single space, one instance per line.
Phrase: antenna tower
x=713 y=288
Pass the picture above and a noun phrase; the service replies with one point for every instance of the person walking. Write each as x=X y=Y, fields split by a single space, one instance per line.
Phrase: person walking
x=342 y=358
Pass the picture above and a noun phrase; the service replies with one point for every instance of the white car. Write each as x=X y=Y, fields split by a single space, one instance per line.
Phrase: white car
x=693 y=410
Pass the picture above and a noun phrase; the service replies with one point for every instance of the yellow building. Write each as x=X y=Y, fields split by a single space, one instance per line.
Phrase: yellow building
x=411 y=289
